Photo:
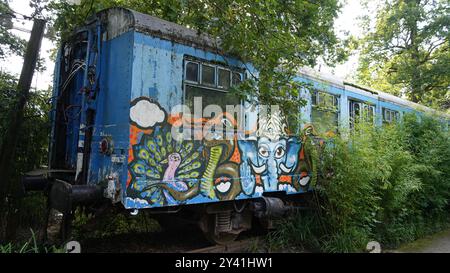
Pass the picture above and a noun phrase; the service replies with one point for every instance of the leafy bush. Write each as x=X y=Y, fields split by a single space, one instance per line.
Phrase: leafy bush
x=390 y=184
x=298 y=231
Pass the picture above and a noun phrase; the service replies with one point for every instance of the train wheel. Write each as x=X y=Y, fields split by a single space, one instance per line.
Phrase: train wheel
x=212 y=226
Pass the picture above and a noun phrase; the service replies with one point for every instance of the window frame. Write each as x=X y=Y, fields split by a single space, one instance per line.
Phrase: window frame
x=201 y=75
x=242 y=77
x=216 y=87
x=218 y=77
x=394 y=115
x=364 y=107
x=213 y=88
x=316 y=103
x=198 y=72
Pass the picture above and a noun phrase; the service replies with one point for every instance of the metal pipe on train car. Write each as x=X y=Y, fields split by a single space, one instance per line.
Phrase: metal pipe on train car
x=64 y=196
x=34 y=183
x=84 y=194
x=268 y=207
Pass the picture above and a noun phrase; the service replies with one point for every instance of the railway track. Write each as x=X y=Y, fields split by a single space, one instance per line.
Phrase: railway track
x=240 y=246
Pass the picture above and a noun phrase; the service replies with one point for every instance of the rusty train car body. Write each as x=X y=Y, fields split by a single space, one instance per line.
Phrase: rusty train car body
x=118 y=84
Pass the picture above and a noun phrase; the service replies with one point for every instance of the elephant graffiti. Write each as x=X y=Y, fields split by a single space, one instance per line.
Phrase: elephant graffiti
x=269 y=155
x=269 y=159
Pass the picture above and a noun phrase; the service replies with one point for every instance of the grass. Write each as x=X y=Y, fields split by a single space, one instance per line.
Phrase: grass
x=30 y=246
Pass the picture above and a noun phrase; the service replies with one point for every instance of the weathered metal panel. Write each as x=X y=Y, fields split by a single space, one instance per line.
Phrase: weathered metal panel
x=112 y=112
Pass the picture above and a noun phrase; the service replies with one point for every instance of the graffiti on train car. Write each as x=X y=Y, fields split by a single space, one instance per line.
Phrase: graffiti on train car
x=165 y=170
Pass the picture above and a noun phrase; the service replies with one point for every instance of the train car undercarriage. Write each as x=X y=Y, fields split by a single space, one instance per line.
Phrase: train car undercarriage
x=220 y=222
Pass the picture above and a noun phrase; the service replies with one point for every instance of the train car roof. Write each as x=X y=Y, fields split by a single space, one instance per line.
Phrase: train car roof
x=366 y=91
x=120 y=20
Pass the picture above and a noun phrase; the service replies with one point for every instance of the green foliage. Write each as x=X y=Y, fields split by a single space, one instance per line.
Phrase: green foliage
x=31 y=212
x=9 y=43
x=33 y=140
x=390 y=184
x=31 y=151
x=299 y=232
x=408 y=51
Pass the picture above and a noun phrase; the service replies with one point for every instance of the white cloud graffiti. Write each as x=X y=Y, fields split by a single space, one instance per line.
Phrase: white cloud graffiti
x=146 y=114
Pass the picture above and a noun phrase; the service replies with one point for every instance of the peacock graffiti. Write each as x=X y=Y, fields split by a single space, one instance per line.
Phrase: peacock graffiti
x=165 y=171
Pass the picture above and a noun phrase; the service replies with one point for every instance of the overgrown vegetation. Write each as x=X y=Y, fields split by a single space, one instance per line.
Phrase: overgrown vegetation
x=31 y=152
x=390 y=184
x=30 y=246
x=112 y=222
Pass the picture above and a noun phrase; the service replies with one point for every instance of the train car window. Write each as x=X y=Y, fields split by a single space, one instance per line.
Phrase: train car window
x=237 y=78
x=390 y=116
x=211 y=82
x=325 y=112
x=361 y=111
x=192 y=70
x=224 y=78
x=208 y=75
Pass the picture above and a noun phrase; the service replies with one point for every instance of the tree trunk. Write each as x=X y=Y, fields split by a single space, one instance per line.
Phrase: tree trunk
x=7 y=156
x=415 y=84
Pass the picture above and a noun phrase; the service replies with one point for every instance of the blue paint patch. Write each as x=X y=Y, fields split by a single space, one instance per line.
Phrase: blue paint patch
x=153 y=92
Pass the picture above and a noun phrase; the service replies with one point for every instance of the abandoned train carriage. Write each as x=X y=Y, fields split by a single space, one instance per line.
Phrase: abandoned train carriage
x=117 y=82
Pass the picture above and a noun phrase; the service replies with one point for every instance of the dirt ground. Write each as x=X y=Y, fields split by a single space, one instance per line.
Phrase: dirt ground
x=180 y=241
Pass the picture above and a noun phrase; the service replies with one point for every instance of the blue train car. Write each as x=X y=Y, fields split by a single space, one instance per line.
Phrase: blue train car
x=143 y=117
